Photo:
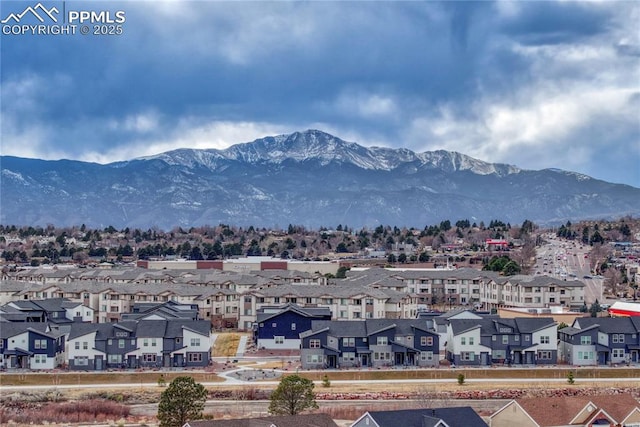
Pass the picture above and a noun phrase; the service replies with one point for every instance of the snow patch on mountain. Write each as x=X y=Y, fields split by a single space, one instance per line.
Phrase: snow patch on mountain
x=315 y=145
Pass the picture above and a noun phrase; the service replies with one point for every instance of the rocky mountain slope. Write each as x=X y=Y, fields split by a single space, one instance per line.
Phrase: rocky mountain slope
x=307 y=178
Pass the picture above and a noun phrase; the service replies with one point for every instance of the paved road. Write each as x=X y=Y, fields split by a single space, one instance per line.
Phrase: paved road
x=243 y=383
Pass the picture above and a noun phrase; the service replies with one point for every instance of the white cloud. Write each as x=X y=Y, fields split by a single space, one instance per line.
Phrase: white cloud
x=189 y=133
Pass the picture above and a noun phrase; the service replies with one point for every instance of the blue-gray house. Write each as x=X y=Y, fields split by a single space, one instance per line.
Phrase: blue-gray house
x=30 y=345
x=371 y=342
x=278 y=328
x=601 y=341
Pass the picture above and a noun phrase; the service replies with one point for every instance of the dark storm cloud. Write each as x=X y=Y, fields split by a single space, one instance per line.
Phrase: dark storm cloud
x=552 y=23
x=466 y=76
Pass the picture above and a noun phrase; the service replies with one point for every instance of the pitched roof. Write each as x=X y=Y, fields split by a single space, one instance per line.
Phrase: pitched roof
x=307 y=420
x=618 y=325
x=463 y=416
x=11 y=329
x=266 y=313
x=561 y=410
x=342 y=328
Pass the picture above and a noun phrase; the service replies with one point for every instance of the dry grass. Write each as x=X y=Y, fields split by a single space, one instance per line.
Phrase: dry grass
x=88 y=378
x=66 y=412
x=226 y=345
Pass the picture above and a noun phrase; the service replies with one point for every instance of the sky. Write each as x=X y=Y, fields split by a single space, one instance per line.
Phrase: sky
x=535 y=84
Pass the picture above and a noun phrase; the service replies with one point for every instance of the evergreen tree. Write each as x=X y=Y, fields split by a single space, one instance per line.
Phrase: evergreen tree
x=182 y=401
x=293 y=395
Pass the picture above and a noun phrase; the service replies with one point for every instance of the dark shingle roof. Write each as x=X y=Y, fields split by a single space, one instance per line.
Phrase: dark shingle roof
x=463 y=416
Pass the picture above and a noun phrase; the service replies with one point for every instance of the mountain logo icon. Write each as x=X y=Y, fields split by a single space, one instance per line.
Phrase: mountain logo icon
x=38 y=11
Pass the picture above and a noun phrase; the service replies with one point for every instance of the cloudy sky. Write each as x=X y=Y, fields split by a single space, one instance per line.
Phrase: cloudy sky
x=534 y=84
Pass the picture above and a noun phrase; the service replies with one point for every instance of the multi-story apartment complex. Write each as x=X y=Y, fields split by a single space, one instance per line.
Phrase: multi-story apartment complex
x=233 y=299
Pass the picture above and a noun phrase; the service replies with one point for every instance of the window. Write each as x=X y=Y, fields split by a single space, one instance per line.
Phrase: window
x=194 y=357
x=544 y=339
x=120 y=343
x=617 y=352
x=381 y=355
x=544 y=355
x=382 y=341
x=426 y=356
x=585 y=340
x=149 y=358
x=348 y=342
x=426 y=341
x=314 y=343
x=356 y=315
x=279 y=339
x=40 y=358
x=314 y=358
x=114 y=358
x=195 y=342
x=153 y=342
x=463 y=340
x=617 y=338
x=77 y=345
x=585 y=355
x=343 y=314
x=81 y=361
x=85 y=345
x=505 y=339
x=274 y=325
x=348 y=356
x=470 y=340
x=40 y=344
x=369 y=301
x=467 y=356
x=293 y=326
x=498 y=354
x=145 y=342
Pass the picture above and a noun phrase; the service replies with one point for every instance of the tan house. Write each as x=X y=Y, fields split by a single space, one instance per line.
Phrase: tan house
x=586 y=411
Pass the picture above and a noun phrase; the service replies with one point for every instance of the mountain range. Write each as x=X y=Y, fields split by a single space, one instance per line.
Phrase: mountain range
x=306 y=178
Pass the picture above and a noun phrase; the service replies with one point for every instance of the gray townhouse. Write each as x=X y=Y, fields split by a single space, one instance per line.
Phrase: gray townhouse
x=519 y=341
x=368 y=343
x=139 y=344
x=591 y=341
x=30 y=345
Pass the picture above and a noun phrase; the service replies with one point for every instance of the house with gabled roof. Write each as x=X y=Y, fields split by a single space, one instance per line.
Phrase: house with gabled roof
x=372 y=343
x=489 y=341
x=463 y=416
x=278 y=328
x=601 y=341
x=168 y=310
x=564 y=411
x=140 y=344
x=30 y=345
